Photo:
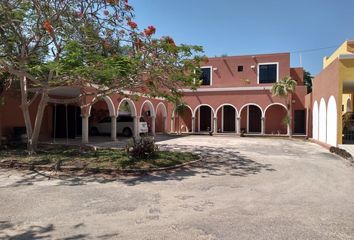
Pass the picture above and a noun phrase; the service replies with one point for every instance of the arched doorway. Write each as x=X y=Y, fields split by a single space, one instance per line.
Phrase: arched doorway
x=251 y=118
x=226 y=118
x=127 y=122
x=204 y=115
x=332 y=116
x=161 y=118
x=147 y=112
x=101 y=112
x=322 y=122
x=182 y=119
x=275 y=116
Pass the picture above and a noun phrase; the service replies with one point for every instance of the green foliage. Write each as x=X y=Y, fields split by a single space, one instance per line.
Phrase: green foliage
x=283 y=87
x=142 y=148
x=308 y=81
x=74 y=42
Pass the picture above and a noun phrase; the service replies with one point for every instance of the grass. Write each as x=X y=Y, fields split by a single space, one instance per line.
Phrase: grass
x=101 y=158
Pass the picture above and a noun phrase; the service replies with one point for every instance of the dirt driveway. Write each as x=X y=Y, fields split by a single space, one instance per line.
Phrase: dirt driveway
x=245 y=188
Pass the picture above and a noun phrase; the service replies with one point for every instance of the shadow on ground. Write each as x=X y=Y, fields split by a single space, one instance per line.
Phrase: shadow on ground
x=9 y=231
x=214 y=162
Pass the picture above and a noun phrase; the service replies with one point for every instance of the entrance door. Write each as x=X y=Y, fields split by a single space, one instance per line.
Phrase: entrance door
x=229 y=119
x=67 y=121
x=205 y=118
x=299 y=121
x=254 y=119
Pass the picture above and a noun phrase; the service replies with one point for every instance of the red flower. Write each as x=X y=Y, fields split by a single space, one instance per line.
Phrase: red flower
x=132 y=24
x=150 y=31
x=106 y=12
x=48 y=27
x=169 y=40
x=112 y=2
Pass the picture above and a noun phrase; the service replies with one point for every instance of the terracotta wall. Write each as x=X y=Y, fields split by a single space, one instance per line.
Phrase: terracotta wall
x=227 y=74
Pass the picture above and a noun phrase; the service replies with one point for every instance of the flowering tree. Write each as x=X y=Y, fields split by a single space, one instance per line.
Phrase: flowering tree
x=91 y=43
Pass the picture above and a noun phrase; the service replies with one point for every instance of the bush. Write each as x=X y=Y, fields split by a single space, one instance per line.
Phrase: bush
x=142 y=148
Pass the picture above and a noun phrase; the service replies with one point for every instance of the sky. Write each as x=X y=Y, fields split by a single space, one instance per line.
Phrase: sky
x=241 y=27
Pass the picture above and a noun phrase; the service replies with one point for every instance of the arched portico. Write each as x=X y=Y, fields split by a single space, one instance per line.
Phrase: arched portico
x=275 y=115
x=251 y=118
x=226 y=115
x=205 y=118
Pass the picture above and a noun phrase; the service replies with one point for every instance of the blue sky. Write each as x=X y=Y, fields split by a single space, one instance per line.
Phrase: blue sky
x=236 y=27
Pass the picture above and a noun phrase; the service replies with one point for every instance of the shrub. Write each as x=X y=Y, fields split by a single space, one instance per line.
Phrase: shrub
x=142 y=148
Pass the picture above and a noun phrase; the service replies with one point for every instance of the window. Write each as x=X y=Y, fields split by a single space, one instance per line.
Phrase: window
x=240 y=69
x=268 y=73
x=206 y=76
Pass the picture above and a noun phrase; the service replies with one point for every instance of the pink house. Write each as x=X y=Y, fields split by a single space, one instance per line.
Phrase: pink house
x=234 y=97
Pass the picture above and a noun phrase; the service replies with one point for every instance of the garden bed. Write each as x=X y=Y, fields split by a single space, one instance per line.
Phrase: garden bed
x=92 y=160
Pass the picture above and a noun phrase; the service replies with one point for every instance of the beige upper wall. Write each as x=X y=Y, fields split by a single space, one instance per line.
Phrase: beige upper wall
x=346 y=48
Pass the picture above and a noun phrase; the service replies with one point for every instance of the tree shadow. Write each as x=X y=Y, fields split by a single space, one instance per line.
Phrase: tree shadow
x=214 y=162
x=9 y=231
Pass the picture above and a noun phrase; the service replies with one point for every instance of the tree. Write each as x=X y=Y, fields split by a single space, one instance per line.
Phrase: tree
x=283 y=89
x=308 y=81
x=94 y=44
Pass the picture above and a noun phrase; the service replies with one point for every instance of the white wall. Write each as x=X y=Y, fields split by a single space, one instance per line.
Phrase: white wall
x=322 y=122
x=315 y=121
x=332 y=122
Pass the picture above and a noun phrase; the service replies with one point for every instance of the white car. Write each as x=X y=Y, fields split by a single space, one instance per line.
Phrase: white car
x=125 y=126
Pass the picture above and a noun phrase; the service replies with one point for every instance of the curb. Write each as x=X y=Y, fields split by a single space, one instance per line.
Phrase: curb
x=12 y=164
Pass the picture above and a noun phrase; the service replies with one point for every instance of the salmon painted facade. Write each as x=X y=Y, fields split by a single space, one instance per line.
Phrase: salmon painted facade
x=234 y=98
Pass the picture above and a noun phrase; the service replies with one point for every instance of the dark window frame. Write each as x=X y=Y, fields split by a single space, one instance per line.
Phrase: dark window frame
x=268 y=77
x=210 y=77
x=240 y=68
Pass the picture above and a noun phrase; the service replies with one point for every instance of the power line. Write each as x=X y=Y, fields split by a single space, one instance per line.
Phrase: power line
x=315 y=49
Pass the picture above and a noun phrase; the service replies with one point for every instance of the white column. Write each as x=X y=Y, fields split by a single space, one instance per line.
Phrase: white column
x=215 y=125
x=193 y=124
x=263 y=125
x=85 y=129
x=114 y=128
x=288 y=129
x=153 y=123
x=136 y=126
x=238 y=125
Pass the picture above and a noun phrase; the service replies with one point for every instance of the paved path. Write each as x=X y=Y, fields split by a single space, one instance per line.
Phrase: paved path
x=246 y=188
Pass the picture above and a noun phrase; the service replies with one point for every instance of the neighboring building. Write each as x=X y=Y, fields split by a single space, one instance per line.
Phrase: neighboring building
x=235 y=97
x=332 y=97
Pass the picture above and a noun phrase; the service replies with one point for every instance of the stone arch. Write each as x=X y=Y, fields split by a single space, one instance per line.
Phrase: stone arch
x=274 y=115
x=272 y=104
x=322 y=121
x=182 y=122
x=204 y=115
x=206 y=105
x=227 y=124
x=251 y=115
x=150 y=106
x=109 y=102
x=315 y=121
x=332 y=118
x=161 y=118
x=131 y=106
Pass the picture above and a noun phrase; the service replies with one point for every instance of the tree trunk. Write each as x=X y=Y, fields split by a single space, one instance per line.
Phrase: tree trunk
x=38 y=122
x=32 y=134
x=25 y=111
